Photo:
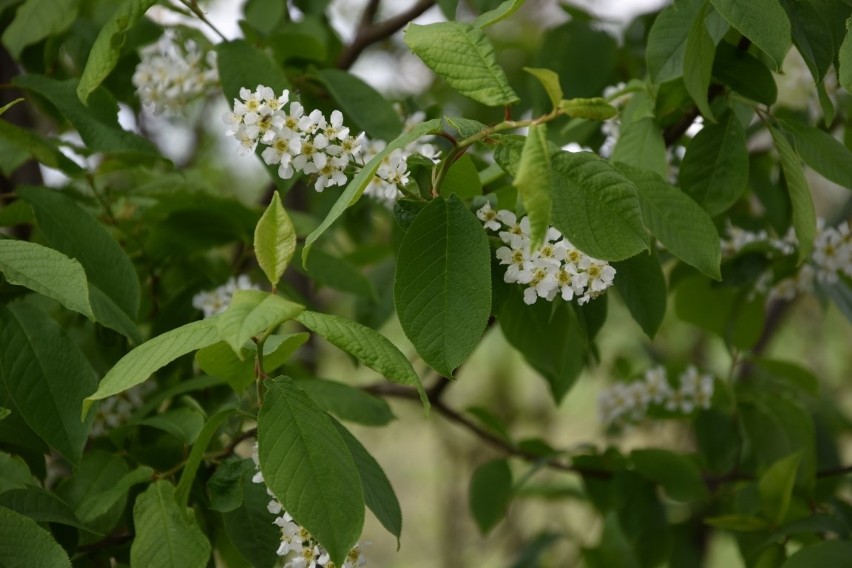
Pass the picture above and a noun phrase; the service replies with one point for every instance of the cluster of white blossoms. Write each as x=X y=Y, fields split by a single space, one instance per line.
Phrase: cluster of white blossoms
x=628 y=403
x=311 y=143
x=830 y=258
x=116 y=410
x=216 y=301
x=554 y=268
x=298 y=548
x=172 y=73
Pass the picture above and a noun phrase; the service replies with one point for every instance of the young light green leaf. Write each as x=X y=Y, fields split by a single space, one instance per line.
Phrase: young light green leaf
x=464 y=57
x=596 y=207
x=679 y=476
x=804 y=215
x=844 y=72
x=501 y=12
x=379 y=495
x=550 y=81
x=535 y=184
x=308 y=467
x=47 y=272
x=641 y=284
x=360 y=102
x=196 y=455
x=252 y=312
x=346 y=402
x=698 y=65
x=360 y=182
x=595 y=108
x=667 y=40
x=141 y=362
x=490 y=493
x=46 y=376
x=714 y=171
x=167 y=534
x=764 y=22
x=107 y=47
x=36 y=20
x=776 y=486
x=821 y=151
x=24 y=543
x=462 y=179
x=274 y=240
x=367 y=345
x=677 y=221
x=641 y=144
x=442 y=290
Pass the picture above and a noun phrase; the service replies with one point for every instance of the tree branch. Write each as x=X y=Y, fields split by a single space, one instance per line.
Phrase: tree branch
x=369 y=33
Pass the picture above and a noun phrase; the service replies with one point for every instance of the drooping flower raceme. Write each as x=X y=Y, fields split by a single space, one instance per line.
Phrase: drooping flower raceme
x=216 y=301
x=298 y=548
x=556 y=268
x=172 y=73
x=628 y=403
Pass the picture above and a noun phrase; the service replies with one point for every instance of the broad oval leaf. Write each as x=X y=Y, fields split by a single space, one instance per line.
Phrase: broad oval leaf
x=641 y=284
x=442 y=290
x=242 y=65
x=667 y=40
x=36 y=20
x=274 y=240
x=141 y=362
x=534 y=182
x=46 y=376
x=252 y=312
x=308 y=467
x=714 y=171
x=822 y=152
x=24 y=543
x=167 y=534
x=641 y=144
x=804 y=214
x=367 y=345
x=490 y=493
x=698 y=64
x=41 y=506
x=596 y=207
x=764 y=22
x=463 y=56
x=48 y=272
x=776 y=486
x=347 y=403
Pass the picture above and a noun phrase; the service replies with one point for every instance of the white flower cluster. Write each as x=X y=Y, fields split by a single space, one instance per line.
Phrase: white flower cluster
x=554 y=268
x=116 y=410
x=628 y=403
x=216 y=301
x=298 y=547
x=831 y=256
x=171 y=74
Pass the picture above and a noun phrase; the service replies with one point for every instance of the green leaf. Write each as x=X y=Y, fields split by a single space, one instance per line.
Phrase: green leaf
x=16 y=474
x=361 y=103
x=535 y=184
x=764 y=22
x=821 y=151
x=101 y=503
x=242 y=65
x=464 y=57
x=196 y=455
x=141 y=362
x=490 y=493
x=46 y=376
x=809 y=27
x=776 y=486
x=827 y=553
x=24 y=543
x=225 y=485
x=594 y=108
x=274 y=240
x=36 y=20
x=641 y=284
x=38 y=147
x=738 y=523
x=501 y=12
x=667 y=39
x=73 y=231
x=745 y=74
x=679 y=476
x=251 y=526
x=462 y=179
x=596 y=207
x=550 y=81
x=844 y=72
x=338 y=273
x=641 y=144
x=41 y=506
x=98 y=125
x=219 y=360
x=804 y=215
x=698 y=64
x=47 y=272
x=183 y=423
x=442 y=290
x=614 y=550
x=714 y=171
x=379 y=495
x=9 y=105
x=367 y=345
x=360 y=182
x=167 y=534
x=252 y=312
x=308 y=466
x=348 y=403
x=677 y=221
x=107 y=47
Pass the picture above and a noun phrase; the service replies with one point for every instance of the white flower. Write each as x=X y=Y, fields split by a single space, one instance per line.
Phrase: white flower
x=216 y=301
x=488 y=217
